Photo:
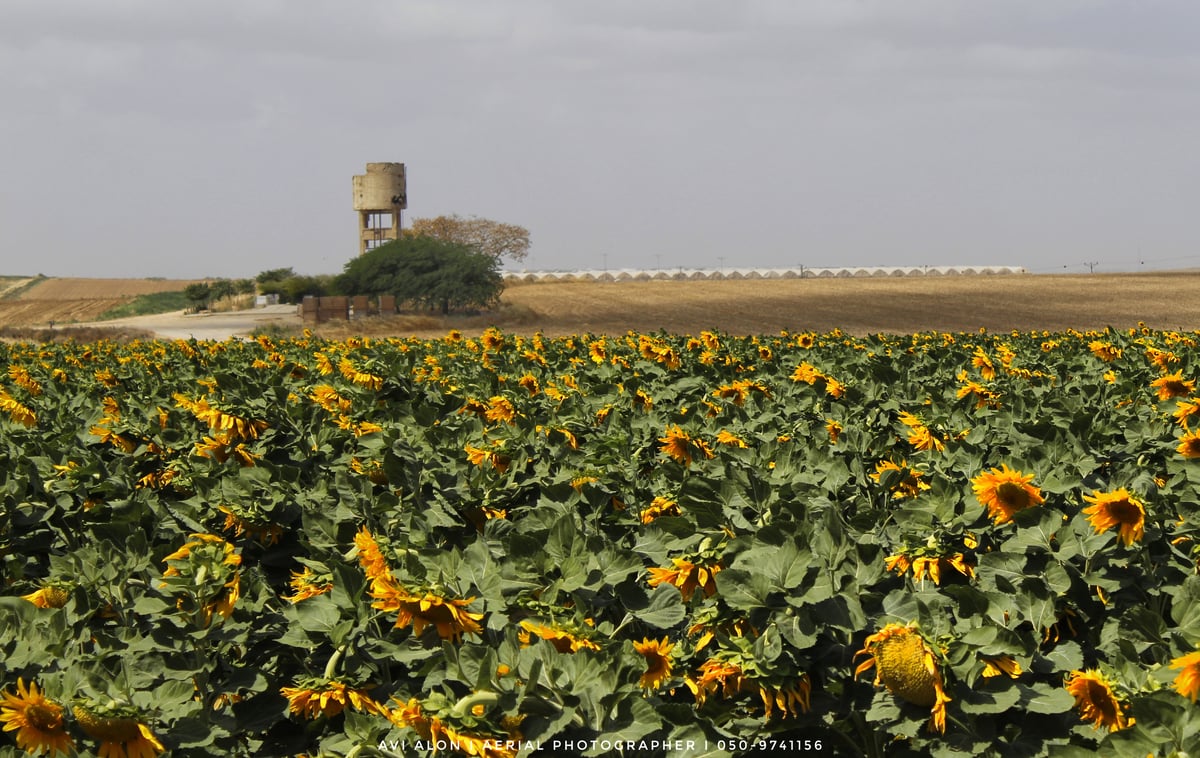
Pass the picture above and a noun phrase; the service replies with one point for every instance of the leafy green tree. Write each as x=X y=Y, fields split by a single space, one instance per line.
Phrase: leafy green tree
x=275 y=275
x=198 y=295
x=424 y=272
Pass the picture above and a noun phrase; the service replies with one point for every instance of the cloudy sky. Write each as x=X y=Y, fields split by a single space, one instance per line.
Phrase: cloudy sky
x=219 y=138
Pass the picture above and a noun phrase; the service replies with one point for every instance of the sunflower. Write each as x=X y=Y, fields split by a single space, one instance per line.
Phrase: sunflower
x=1187 y=683
x=1185 y=409
x=1105 y=351
x=422 y=608
x=17 y=412
x=37 y=720
x=724 y=675
x=327 y=697
x=500 y=408
x=308 y=583
x=726 y=437
x=834 y=428
x=1117 y=509
x=52 y=594
x=661 y=506
x=121 y=733
x=679 y=445
x=995 y=665
x=1005 y=492
x=1189 y=445
x=1096 y=701
x=931 y=565
x=1173 y=385
x=908 y=485
x=434 y=729
x=563 y=640
x=687 y=576
x=658 y=662
x=908 y=667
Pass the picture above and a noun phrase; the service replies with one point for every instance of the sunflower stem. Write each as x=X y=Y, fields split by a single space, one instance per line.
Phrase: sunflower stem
x=332 y=666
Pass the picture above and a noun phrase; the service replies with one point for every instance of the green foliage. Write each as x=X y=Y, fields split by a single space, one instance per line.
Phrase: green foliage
x=199 y=295
x=293 y=289
x=426 y=273
x=156 y=302
x=531 y=504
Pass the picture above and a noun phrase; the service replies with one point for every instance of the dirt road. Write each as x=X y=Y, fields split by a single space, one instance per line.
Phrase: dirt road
x=208 y=326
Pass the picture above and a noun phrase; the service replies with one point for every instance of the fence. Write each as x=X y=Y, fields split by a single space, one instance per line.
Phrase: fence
x=321 y=309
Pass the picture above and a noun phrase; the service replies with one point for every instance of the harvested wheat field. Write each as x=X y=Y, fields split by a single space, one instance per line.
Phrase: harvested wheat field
x=38 y=300
x=1167 y=300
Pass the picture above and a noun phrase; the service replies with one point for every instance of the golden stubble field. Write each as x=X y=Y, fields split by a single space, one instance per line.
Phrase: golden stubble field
x=1165 y=300
x=859 y=306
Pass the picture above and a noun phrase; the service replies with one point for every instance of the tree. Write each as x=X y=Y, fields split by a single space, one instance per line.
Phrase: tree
x=425 y=273
x=198 y=294
x=489 y=237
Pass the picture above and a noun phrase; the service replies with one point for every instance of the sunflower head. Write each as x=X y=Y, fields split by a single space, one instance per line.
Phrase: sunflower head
x=37 y=720
x=1187 y=683
x=1119 y=510
x=908 y=666
x=1005 y=492
x=120 y=730
x=1097 y=701
x=658 y=662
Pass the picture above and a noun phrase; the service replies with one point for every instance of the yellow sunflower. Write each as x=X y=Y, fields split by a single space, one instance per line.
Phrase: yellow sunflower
x=1096 y=701
x=1187 y=683
x=121 y=733
x=907 y=665
x=1117 y=509
x=327 y=697
x=679 y=445
x=910 y=483
x=52 y=594
x=658 y=662
x=37 y=720
x=308 y=583
x=1189 y=445
x=1173 y=385
x=563 y=640
x=1005 y=492
x=687 y=576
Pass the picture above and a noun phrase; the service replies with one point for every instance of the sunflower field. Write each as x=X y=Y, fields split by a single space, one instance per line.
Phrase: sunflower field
x=645 y=545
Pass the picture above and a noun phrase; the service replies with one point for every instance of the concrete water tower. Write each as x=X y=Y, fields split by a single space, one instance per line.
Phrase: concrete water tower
x=379 y=196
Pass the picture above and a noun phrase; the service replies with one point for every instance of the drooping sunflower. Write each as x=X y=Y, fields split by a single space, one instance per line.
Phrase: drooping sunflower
x=52 y=594
x=907 y=665
x=562 y=639
x=307 y=584
x=313 y=697
x=1187 y=683
x=422 y=608
x=1096 y=700
x=658 y=662
x=1118 y=509
x=1189 y=445
x=37 y=720
x=681 y=446
x=1173 y=385
x=724 y=675
x=1005 y=492
x=120 y=731
x=995 y=665
x=910 y=483
x=687 y=576
x=660 y=506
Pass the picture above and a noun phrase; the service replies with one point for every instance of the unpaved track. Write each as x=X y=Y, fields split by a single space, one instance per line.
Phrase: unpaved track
x=208 y=326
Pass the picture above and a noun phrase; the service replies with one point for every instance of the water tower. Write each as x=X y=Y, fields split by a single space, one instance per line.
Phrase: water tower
x=379 y=196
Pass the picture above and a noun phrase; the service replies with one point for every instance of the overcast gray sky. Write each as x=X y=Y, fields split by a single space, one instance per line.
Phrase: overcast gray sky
x=219 y=138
